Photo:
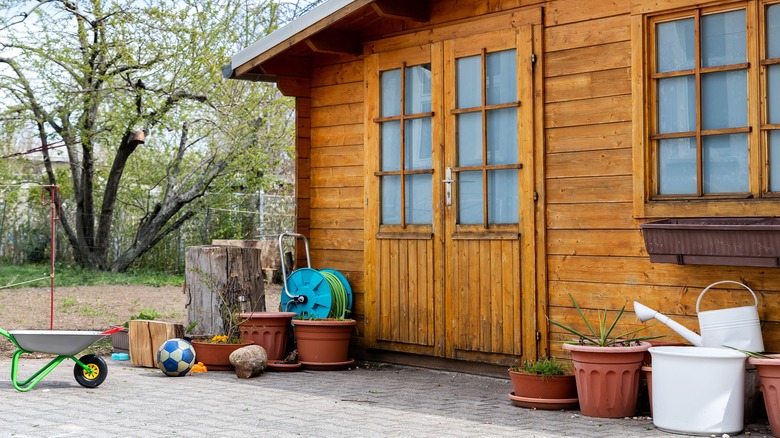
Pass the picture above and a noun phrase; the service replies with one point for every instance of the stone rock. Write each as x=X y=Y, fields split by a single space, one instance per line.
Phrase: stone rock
x=249 y=361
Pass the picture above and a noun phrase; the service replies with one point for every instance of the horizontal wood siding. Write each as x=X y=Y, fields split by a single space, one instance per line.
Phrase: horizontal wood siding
x=336 y=174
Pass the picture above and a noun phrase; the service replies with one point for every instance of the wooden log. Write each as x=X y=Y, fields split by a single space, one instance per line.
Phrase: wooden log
x=221 y=281
x=146 y=337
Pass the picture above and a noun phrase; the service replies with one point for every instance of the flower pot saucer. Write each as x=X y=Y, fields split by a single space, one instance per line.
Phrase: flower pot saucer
x=280 y=366
x=545 y=404
x=328 y=366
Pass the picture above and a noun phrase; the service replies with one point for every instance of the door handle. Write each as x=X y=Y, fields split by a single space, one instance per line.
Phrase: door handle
x=448 y=187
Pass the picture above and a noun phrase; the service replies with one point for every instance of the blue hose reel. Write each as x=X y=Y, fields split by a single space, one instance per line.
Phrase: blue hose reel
x=313 y=293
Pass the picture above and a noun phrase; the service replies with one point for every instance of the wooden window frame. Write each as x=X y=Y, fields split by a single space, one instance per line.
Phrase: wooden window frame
x=758 y=201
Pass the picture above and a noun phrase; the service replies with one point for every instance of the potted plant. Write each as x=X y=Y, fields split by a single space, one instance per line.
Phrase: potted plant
x=543 y=384
x=606 y=365
x=214 y=352
x=323 y=343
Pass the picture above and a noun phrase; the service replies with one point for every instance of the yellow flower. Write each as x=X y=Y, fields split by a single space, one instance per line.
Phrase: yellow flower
x=219 y=339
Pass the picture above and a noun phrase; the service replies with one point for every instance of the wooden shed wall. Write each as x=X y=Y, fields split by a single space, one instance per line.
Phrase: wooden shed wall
x=594 y=247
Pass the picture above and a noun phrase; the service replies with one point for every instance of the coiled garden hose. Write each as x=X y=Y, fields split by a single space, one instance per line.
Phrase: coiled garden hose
x=338 y=307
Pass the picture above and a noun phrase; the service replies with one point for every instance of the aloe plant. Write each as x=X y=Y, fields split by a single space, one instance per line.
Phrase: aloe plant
x=603 y=336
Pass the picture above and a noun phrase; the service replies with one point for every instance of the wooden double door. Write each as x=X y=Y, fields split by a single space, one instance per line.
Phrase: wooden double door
x=451 y=205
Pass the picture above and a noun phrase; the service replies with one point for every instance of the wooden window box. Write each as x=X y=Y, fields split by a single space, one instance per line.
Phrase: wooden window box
x=714 y=241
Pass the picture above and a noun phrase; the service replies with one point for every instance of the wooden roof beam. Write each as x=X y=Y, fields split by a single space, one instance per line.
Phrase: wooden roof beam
x=416 y=10
x=336 y=42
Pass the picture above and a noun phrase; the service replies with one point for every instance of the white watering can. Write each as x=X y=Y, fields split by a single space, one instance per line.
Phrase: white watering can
x=737 y=327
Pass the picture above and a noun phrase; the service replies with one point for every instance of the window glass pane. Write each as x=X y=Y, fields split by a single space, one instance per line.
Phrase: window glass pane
x=469 y=78
x=676 y=45
x=723 y=39
x=418 y=89
x=470 y=197
x=391 y=199
x=773 y=31
x=391 y=146
x=419 y=204
x=724 y=164
x=774 y=161
x=677 y=104
x=677 y=166
x=418 y=143
x=773 y=93
x=724 y=99
x=502 y=196
x=470 y=139
x=391 y=93
x=502 y=136
x=501 y=84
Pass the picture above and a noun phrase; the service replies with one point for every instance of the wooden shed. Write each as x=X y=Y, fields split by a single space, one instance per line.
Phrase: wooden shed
x=469 y=163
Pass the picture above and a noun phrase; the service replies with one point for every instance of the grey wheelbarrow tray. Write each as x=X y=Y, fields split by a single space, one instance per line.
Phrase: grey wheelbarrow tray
x=90 y=370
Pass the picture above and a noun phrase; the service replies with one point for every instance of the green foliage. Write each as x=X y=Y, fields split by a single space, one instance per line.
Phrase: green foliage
x=603 y=337
x=544 y=367
x=65 y=276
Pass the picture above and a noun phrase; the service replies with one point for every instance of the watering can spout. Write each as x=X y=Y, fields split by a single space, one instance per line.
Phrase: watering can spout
x=645 y=313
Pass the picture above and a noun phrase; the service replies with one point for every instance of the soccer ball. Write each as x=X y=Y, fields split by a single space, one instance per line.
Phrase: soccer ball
x=175 y=357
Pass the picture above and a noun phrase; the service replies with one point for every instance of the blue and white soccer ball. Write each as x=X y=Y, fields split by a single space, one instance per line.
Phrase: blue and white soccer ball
x=176 y=357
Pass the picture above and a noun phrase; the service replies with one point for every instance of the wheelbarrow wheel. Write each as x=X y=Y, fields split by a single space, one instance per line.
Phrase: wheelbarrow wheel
x=98 y=370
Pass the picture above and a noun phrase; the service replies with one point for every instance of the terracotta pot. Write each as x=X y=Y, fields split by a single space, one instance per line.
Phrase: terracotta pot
x=769 y=373
x=534 y=386
x=216 y=356
x=268 y=330
x=607 y=378
x=323 y=341
x=647 y=374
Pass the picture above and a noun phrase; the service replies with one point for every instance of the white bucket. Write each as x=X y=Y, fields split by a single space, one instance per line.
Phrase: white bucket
x=698 y=390
x=737 y=327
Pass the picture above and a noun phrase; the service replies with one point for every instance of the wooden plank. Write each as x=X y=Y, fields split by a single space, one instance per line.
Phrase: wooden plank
x=570 y=11
x=140 y=343
x=597 y=215
x=587 y=138
x=342 y=176
x=611 y=162
x=334 y=197
x=343 y=155
x=395 y=292
x=383 y=282
x=340 y=135
x=412 y=264
x=499 y=291
x=588 y=85
x=589 y=190
x=588 y=112
x=341 y=218
x=346 y=114
x=587 y=59
x=340 y=94
x=403 y=293
x=335 y=239
x=588 y=33
x=337 y=74
x=624 y=243
x=486 y=295
x=340 y=260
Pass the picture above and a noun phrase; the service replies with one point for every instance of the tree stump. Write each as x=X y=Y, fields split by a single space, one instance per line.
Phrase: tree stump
x=221 y=282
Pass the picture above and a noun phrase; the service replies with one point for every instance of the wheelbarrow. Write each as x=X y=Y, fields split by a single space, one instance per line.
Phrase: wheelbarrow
x=90 y=370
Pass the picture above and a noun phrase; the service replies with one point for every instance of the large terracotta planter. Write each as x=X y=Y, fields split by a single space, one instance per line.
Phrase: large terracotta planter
x=607 y=378
x=216 y=356
x=534 y=391
x=268 y=330
x=769 y=372
x=323 y=341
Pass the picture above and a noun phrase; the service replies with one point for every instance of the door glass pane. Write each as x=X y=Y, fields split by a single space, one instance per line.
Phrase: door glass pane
x=391 y=93
x=677 y=104
x=469 y=79
x=773 y=31
x=470 y=197
x=501 y=80
x=418 y=89
x=391 y=146
x=676 y=48
x=724 y=99
x=502 y=196
x=470 y=139
x=677 y=166
x=773 y=93
x=723 y=39
x=419 y=199
x=774 y=161
x=724 y=164
x=502 y=136
x=417 y=133
x=391 y=199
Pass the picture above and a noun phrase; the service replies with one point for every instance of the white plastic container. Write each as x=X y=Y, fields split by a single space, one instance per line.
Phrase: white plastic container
x=698 y=390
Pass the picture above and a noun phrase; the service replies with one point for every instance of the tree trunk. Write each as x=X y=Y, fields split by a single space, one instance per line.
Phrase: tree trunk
x=221 y=282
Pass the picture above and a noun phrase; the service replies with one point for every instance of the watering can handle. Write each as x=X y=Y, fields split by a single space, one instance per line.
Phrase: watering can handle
x=721 y=282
